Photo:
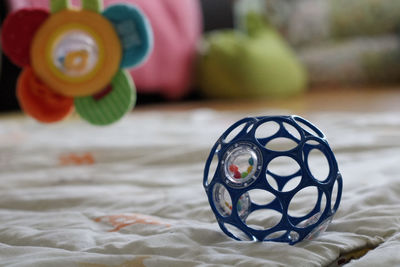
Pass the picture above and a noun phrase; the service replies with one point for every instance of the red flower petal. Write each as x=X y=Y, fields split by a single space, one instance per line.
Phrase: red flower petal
x=39 y=101
x=18 y=30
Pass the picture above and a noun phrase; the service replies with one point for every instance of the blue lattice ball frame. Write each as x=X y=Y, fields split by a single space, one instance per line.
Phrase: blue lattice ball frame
x=223 y=179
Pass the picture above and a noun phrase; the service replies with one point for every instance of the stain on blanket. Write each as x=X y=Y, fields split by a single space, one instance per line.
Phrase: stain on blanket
x=347 y=257
x=120 y=221
x=137 y=262
x=12 y=137
x=77 y=159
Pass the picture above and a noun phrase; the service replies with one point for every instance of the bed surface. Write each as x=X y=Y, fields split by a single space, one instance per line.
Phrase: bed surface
x=131 y=194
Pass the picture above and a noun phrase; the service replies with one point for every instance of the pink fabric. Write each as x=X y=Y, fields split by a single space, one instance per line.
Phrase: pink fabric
x=177 y=28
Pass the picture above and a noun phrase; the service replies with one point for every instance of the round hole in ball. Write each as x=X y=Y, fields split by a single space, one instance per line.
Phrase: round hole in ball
x=318 y=165
x=267 y=129
x=334 y=198
x=323 y=204
x=314 y=219
x=263 y=219
x=249 y=127
x=319 y=229
x=294 y=236
x=308 y=127
x=234 y=132
x=243 y=206
x=275 y=235
x=303 y=202
x=236 y=232
x=261 y=197
x=292 y=130
x=218 y=148
x=283 y=166
x=212 y=168
x=312 y=143
x=281 y=144
x=222 y=200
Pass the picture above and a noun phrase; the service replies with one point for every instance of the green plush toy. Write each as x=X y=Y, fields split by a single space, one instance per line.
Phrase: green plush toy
x=256 y=63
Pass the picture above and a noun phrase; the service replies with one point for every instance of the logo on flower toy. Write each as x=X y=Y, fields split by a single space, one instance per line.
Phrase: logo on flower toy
x=77 y=53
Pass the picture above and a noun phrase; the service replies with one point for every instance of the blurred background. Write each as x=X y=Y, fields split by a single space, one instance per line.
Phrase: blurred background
x=254 y=49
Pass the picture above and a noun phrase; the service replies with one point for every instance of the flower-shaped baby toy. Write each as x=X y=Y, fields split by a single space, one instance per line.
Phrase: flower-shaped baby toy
x=75 y=58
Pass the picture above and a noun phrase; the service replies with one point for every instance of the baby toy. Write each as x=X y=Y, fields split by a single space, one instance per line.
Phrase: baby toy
x=75 y=58
x=273 y=178
x=251 y=61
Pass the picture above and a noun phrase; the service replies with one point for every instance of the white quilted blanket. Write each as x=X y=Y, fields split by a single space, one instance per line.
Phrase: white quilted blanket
x=131 y=194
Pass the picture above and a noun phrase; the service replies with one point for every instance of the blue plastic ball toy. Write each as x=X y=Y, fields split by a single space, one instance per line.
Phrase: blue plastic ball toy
x=273 y=178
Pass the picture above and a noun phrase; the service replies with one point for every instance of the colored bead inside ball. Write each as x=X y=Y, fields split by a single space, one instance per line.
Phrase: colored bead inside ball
x=237 y=165
x=276 y=179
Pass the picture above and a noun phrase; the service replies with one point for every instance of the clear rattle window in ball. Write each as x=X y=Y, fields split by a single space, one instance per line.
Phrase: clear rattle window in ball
x=223 y=202
x=75 y=53
x=242 y=164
